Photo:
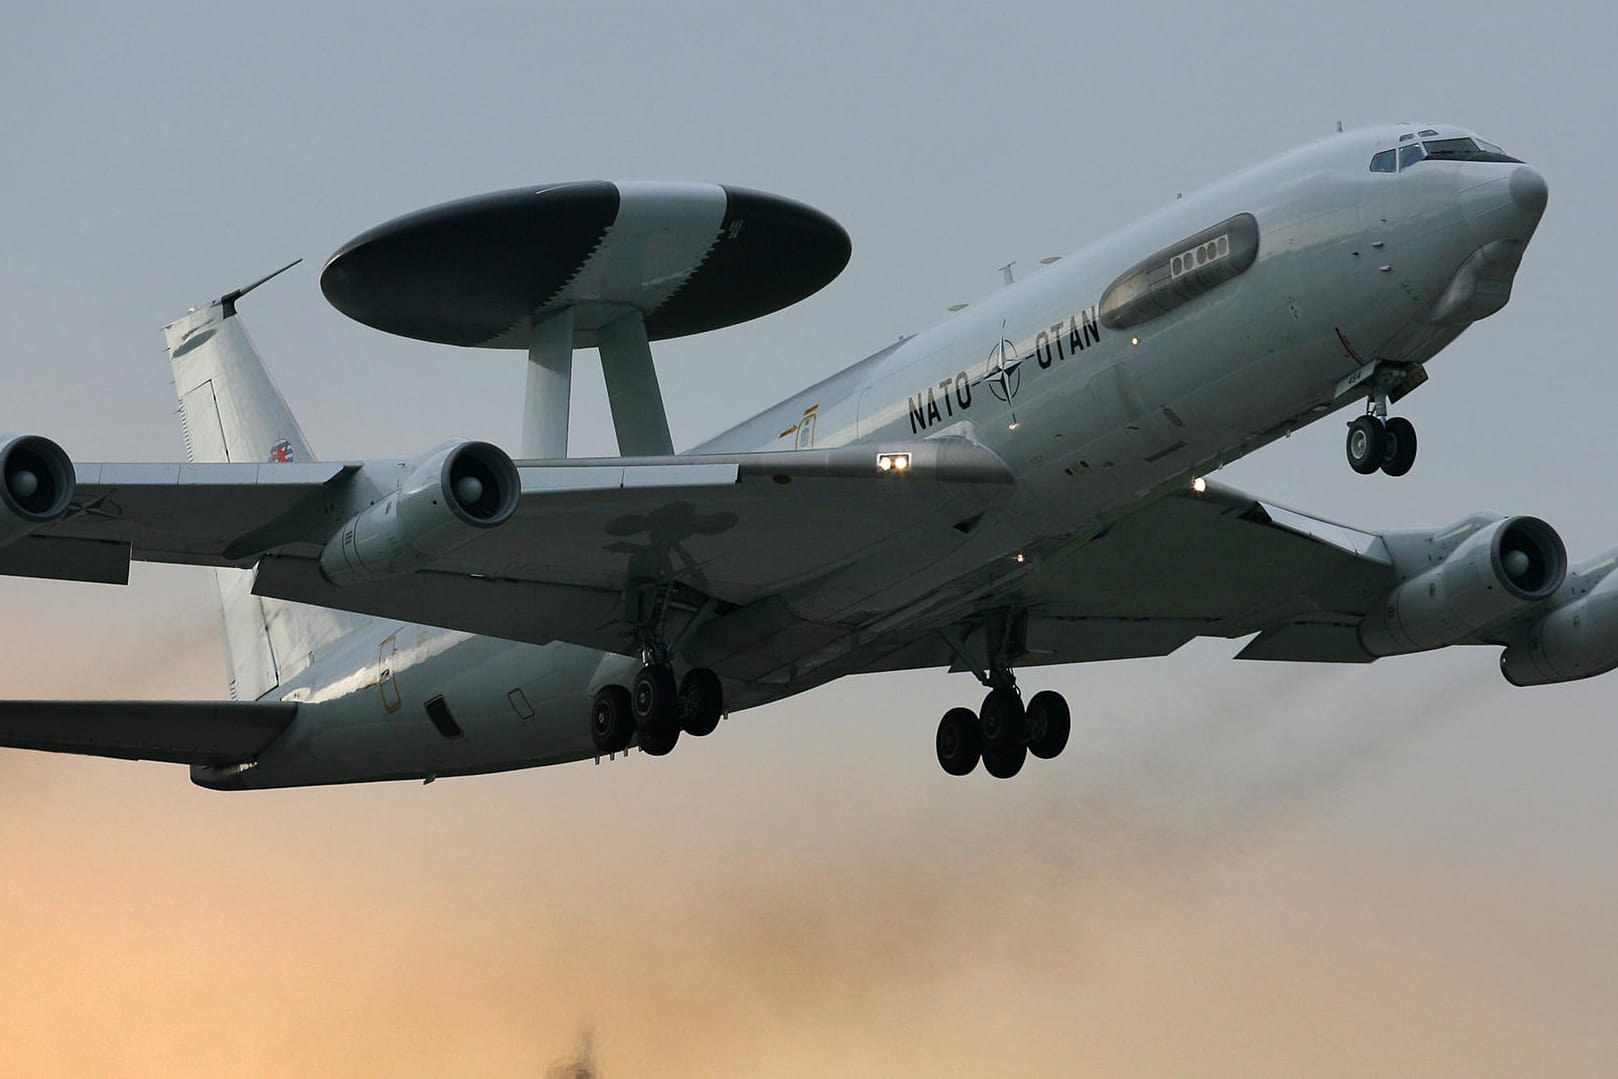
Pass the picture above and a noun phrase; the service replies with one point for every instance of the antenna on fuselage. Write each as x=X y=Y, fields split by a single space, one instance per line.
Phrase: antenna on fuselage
x=1005 y=272
x=1339 y=127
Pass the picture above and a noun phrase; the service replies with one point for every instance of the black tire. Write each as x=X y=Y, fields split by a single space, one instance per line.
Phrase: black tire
x=1005 y=763
x=1049 y=724
x=653 y=698
x=1000 y=720
x=959 y=742
x=1399 y=453
x=702 y=701
x=612 y=725
x=658 y=741
x=1366 y=440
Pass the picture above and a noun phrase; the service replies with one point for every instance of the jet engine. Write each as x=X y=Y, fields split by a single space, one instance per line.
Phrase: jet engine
x=1494 y=573
x=447 y=499
x=1577 y=640
x=36 y=484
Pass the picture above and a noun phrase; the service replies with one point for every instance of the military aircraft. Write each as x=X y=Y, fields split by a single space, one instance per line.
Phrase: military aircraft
x=1023 y=484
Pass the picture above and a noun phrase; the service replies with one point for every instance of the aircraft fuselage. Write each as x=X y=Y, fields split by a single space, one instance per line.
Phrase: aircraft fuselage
x=1110 y=378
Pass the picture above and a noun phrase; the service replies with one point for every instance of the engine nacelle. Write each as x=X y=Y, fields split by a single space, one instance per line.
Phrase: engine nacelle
x=1577 y=640
x=36 y=484
x=1494 y=573
x=451 y=496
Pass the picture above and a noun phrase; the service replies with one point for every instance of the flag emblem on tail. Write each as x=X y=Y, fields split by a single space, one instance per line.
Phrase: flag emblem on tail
x=281 y=452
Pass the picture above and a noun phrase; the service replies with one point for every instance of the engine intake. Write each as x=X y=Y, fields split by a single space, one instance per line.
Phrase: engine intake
x=448 y=499
x=1493 y=574
x=1577 y=640
x=36 y=484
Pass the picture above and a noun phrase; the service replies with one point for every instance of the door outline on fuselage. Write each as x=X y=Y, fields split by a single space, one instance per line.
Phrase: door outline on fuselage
x=806 y=429
x=387 y=656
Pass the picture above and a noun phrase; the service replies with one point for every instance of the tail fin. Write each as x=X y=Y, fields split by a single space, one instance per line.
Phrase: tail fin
x=230 y=410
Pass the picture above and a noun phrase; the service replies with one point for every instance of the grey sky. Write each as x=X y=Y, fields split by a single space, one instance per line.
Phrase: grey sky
x=1369 y=857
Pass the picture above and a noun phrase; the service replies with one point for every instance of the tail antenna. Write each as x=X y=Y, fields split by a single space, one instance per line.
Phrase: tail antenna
x=228 y=300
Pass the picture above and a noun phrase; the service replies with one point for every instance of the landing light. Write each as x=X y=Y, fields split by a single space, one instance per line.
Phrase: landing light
x=892 y=462
x=1199 y=485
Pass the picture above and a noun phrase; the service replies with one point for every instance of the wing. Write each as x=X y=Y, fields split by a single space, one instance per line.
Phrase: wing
x=1215 y=563
x=182 y=732
x=588 y=540
x=190 y=513
x=1218 y=563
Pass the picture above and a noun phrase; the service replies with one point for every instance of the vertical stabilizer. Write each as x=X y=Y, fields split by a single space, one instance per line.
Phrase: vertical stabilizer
x=230 y=410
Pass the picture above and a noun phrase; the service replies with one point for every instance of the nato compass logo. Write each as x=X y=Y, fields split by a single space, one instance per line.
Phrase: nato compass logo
x=281 y=453
x=1004 y=371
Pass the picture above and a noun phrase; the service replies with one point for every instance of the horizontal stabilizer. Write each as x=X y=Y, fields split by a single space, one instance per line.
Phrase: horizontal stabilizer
x=182 y=732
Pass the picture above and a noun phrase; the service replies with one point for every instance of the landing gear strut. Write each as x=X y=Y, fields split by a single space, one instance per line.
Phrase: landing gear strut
x=1377 y=442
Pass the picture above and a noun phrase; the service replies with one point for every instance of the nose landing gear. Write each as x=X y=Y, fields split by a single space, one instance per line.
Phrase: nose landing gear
x=1377 y=442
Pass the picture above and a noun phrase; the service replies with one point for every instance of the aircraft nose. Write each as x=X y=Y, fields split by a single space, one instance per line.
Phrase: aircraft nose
x=1504 y=205
x=1528 y=190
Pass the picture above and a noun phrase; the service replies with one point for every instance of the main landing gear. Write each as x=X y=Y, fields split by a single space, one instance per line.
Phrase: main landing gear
x=1003 y=731
x=1377 y=442
x=655 y=709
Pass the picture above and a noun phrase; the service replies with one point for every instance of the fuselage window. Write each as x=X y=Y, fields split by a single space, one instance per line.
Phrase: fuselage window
x=1201 y=256
x=1386 y=161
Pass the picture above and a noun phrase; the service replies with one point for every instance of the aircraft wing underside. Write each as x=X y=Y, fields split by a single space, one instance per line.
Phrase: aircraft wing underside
x=723 y=531
x=726 y=532
x=1219 y=563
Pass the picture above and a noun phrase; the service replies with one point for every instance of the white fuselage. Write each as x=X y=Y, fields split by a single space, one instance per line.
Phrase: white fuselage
x=1353 y=267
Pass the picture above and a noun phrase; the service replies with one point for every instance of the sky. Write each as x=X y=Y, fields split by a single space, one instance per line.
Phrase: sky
x=1235 y=869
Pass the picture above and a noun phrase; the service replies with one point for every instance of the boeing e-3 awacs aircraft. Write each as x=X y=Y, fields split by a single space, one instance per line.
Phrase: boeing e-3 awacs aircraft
x=1020 y=485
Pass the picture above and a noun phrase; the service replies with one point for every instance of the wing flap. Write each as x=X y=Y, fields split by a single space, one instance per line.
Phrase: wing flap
x=181 y=732
x=56 y=558
x=1309 y=642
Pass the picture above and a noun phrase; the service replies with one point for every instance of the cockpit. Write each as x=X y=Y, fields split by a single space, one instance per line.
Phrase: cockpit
x=1429 y=145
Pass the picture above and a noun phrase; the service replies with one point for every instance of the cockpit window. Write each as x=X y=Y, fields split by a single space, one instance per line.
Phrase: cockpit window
x=1410 y=154
x=1455 y=150
x=1384 y=162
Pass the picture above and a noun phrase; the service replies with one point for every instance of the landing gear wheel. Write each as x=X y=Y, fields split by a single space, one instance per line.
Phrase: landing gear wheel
x=702 y=701
x=1001 y=720
x=1049 y=724
x=653 y=698
x=1005 y=763
x=1367 y=439
x=1399 y=452
x=658 y=741
x=656 y=708
x=612 y=724
x=959 y=741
